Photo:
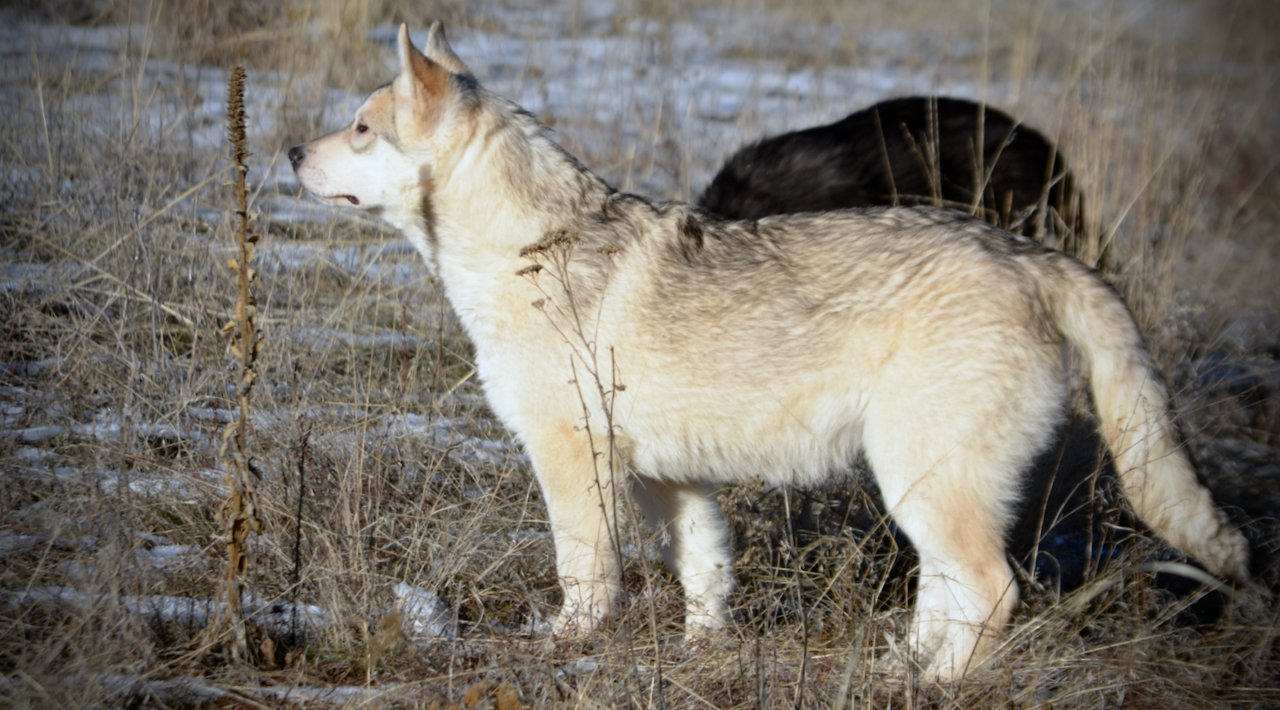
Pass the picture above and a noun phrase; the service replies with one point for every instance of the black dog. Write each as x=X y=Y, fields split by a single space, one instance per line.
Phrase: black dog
x=911 y=151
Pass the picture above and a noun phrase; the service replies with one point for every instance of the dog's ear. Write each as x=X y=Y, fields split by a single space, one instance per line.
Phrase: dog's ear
x=439 y=51
x=419 y=76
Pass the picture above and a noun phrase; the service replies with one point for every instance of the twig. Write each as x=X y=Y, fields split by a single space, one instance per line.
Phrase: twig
x=240 y=512
x=303 y=447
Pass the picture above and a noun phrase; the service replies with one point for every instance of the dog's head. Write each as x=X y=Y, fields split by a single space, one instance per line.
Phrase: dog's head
x=386 y=156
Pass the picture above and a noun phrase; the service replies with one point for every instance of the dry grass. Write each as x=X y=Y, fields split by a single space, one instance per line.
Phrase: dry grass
x=116 y=221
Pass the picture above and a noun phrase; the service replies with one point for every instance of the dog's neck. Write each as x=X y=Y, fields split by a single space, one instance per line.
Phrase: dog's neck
x=509 y=186
x=506 y=187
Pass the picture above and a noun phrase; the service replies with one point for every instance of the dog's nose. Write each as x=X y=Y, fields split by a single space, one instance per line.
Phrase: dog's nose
x=296 y=154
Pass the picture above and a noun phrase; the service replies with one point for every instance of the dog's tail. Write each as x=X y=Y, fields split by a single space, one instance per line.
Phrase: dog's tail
x=1133 y=411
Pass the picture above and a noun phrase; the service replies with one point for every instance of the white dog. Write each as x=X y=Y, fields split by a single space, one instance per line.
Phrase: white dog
x=612 y=329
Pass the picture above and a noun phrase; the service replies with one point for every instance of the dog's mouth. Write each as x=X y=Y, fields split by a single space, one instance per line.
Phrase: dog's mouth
x=338 y=199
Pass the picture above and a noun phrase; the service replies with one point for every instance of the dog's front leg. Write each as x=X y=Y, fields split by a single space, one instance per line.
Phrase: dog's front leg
x=580 y=493
x=695 y=545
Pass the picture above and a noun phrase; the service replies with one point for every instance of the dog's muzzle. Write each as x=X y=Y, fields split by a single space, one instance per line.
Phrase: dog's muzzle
x=296 y=156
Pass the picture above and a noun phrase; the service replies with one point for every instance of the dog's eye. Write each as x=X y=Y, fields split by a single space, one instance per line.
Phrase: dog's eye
x=361 y=128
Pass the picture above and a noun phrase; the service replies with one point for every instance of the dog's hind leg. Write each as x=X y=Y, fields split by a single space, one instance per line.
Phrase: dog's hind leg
x=966 y=590
x=948 y=458
x=695 y=545
x=581 y=497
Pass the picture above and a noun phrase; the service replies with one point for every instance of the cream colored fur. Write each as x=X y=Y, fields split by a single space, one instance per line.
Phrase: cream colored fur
x=612 y=330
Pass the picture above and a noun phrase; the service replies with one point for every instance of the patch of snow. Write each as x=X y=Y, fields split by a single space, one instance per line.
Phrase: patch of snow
x=586 y=665
x=11 y=542
x=149 y=485
x=194 y=486
x=34 y=368
x=278 y=617
x=341 y=695
x=425 y=614
x=580 y=666
x=451 y=435
x=162 y=556
x=328 y=338
x=175 y=691
x=107 y=428
x=35 y=434
x=30 y=454
x=152 y=538
x=528 y=536
x=393 y=262
x=26 y=276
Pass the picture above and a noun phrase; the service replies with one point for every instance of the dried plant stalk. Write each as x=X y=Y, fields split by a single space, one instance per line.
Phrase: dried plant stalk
x=239 y=513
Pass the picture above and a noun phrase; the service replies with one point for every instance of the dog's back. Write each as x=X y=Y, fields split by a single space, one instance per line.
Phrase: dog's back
x=909 y=151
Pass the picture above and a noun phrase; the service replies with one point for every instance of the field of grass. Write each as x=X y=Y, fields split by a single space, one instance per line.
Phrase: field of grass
x=404 y=556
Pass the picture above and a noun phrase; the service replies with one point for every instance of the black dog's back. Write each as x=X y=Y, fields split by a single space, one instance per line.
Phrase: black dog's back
x=909 y=151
